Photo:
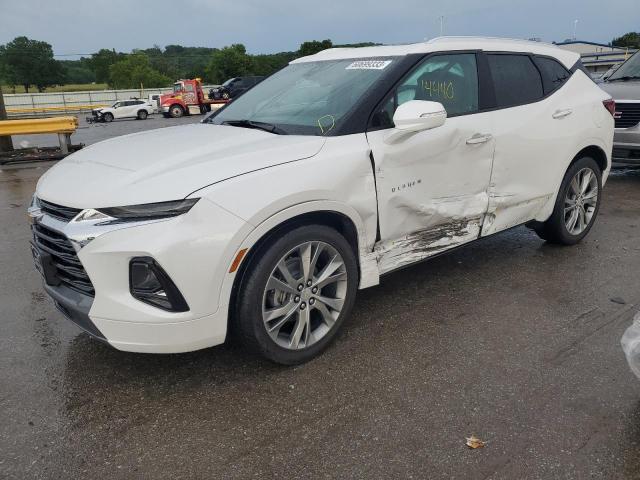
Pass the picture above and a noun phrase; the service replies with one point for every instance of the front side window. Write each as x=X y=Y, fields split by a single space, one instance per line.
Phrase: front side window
x=177 y=87
x=307 y=98
x=516 y=80
x=554 y=75
x=451 y=80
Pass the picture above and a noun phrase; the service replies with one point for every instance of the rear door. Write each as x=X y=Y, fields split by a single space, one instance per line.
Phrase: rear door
x=432 y=185
x=535 y=126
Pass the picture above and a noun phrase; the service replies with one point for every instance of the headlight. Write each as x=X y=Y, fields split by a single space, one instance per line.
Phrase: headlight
x=149 y=211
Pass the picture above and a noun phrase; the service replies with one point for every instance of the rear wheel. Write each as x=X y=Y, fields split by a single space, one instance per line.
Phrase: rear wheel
x=577 y=204
x=142 y=115
x=108 y=117
x=176 y=111
x=296 y=294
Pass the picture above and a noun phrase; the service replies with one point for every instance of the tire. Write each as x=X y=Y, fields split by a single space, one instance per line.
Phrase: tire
x=581 y=207
x=176 y=111
x=142 y=115
x=261 y=304
x=108 y=117
x=225 y=96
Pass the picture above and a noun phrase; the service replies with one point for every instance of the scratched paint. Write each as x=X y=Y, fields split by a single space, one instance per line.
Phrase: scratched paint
x=425 y=243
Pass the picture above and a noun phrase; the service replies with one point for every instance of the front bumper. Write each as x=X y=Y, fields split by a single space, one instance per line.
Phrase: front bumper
x=626 y=147
x=194 y=249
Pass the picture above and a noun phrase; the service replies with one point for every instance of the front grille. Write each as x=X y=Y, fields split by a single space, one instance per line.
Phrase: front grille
x=629 y=114
x=69 y=270
x=58 y=211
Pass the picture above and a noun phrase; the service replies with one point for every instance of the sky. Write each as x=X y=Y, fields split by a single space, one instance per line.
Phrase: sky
x=267 y=26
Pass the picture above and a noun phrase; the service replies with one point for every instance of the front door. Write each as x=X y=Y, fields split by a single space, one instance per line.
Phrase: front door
x=432 y=185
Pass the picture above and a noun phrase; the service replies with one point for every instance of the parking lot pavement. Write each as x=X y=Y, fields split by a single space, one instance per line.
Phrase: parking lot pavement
x=510 y=339
x=89 y=133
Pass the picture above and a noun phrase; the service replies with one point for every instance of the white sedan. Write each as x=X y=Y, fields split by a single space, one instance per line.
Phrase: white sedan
x=122 y=109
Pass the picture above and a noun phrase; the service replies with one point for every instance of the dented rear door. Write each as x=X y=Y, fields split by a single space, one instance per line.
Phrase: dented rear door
x=432 y=185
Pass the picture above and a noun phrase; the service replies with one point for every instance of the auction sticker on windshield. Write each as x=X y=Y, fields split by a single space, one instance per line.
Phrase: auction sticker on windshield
x=368 y=65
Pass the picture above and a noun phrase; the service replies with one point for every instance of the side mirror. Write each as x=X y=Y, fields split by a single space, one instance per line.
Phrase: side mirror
x=418 y=115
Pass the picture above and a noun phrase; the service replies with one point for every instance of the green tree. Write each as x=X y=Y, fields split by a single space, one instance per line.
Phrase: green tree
x=101 y=62
x=631 y=40
x=134 y=70
x=314 y=46
x=30 y=62
x=229 y=62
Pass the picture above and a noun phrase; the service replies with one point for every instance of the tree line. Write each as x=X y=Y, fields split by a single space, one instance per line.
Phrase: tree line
x=31 y=64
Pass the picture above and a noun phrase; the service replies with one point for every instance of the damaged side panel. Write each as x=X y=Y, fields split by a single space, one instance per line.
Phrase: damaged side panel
x=416 y=246
x=432 y=190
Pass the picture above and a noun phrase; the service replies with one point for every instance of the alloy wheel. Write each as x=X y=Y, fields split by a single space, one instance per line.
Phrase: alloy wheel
x=304 y=295
x=580 y=201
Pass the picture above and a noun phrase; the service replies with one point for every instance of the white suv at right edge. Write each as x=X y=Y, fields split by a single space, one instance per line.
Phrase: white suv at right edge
x=341 y=167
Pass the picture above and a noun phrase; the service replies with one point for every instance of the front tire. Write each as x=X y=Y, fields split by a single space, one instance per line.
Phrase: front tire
x=577 y=204
x=176 y=111
x=108 y=117
x=296 y=293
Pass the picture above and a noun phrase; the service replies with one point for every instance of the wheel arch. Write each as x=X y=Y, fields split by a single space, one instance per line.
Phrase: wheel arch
x=330 y=214
x=594 y=151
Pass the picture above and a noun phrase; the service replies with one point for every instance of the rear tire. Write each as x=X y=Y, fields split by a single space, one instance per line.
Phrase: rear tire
x=576 y=206
x=286 y=310
x=142 y=115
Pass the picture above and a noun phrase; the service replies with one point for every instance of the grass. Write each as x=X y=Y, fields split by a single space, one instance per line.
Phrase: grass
x=79 y=87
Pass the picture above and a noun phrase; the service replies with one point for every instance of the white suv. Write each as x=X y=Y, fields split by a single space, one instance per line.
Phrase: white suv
x=268 y=217
x=122 y=109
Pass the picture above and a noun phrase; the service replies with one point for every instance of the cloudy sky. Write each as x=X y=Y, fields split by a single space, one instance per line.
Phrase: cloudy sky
x=264 y=26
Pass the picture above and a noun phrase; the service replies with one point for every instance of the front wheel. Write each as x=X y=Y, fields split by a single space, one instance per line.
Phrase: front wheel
x=107 y=117
x=577 y=204
x=176 y=111
x=296 y=293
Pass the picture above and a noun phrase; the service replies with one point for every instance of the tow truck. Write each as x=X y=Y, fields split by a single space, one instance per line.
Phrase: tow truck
x=187 y=94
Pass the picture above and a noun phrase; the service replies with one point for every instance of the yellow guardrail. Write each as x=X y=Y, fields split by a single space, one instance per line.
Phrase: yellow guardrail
x=61 y=125
x=55 y=109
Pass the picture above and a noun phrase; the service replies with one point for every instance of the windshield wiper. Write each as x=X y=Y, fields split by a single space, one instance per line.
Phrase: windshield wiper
x=267 y=127
x=624 y=78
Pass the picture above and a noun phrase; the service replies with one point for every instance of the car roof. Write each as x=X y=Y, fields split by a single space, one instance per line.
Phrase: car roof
x=439 y=44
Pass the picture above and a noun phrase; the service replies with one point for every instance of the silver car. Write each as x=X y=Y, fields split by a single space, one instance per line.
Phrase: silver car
x=624 y=86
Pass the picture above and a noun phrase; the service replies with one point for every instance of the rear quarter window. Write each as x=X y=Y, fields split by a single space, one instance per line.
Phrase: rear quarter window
x=516 y=80
x=554 y=75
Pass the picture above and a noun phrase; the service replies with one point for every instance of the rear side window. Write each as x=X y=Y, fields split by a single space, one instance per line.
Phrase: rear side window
x=554 y=75
x=516 y=79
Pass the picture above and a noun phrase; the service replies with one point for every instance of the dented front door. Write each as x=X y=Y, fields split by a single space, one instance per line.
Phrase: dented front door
x=432 y=185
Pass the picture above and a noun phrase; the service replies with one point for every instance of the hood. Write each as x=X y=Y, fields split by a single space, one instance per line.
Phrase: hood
x=166 y=164
x=622 y=90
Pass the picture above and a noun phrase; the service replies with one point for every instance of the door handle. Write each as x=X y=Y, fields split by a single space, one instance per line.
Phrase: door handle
x=479 y=138
x=562 y=113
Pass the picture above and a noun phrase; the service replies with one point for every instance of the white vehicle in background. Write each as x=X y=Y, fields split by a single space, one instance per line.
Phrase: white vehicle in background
x=346 y=165
x=133 y=108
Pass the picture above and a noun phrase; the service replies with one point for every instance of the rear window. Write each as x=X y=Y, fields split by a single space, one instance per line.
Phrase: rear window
x=554 y=75
x=516 y=79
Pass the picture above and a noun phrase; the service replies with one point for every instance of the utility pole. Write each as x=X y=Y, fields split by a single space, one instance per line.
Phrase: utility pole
x=575 y=29
x=6 y=145
x=441 y=25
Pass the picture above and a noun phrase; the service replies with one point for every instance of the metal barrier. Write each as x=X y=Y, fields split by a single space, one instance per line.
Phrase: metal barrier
x=23 y=105
x=63 y=126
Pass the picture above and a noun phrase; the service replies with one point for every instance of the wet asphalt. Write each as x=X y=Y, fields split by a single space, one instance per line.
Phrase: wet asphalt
x=509 y=339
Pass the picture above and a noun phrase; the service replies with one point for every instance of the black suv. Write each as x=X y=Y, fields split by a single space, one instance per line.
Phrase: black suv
x=234 y=87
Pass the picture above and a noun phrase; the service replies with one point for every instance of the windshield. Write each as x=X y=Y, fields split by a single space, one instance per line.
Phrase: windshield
x=629 y=69
x=115 y=105
x=308 y=98
x=228 y=82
